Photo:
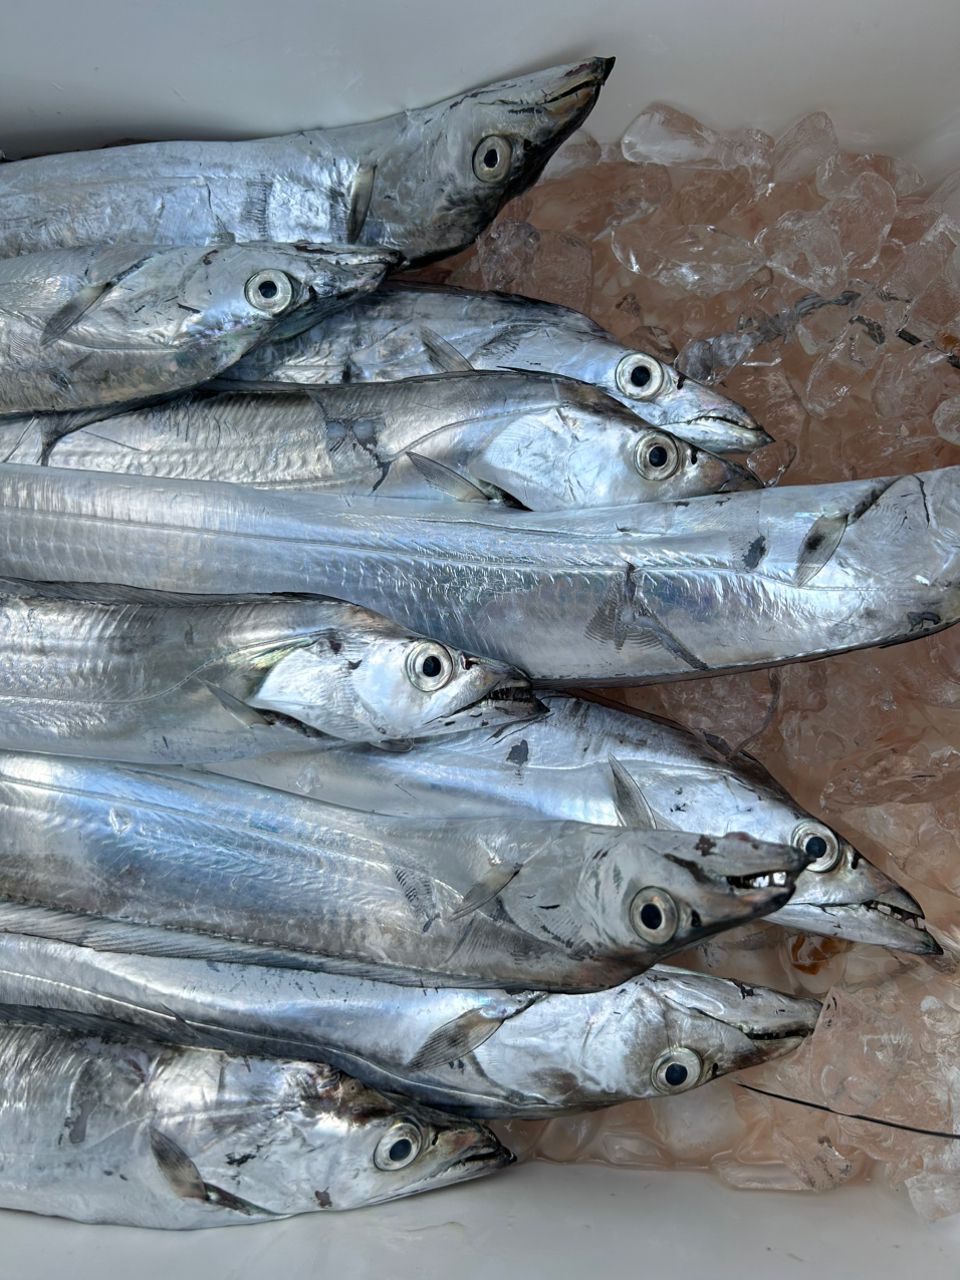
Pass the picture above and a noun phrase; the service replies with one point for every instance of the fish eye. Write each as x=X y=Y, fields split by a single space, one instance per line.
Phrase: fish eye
x=654 y=915
x=819 y=843
x=399 y=1146
x=492 y=158
x=676 y=1070
x=269 y=291
x=657 y=456
x=429 y=666
x=640 y=376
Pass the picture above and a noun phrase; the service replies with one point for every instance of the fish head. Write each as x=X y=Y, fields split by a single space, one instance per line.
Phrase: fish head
x=384 y=1148
x=242 y=293
x=451 y=167
x=581 y=448
x=686 y=1029
x=372 y=682
x=652 y=893
x=660 y=394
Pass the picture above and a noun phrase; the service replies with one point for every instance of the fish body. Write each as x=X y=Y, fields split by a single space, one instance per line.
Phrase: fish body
x=483 y=1053
x=410 y=330
x=178 y=680
x=131 y=1131
x=94 y=326
x=654 y=591
x=425 y=182
x=587 y=762
x=189 y=864
x=540 y=442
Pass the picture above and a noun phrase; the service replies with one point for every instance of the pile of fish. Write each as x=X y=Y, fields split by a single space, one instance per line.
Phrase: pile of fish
x=311 y=860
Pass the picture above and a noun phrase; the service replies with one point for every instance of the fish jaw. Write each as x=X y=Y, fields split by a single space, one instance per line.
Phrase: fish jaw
x=879 y=922
x=513 y=702
x=334 y=275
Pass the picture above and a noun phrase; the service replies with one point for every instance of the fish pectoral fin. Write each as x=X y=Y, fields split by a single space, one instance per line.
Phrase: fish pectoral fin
x=186 y=1181
x=360 y=198
x=73 y=311
x=632 y=807
x=443 y=353
x=486 y=889
x=178 y=1169
x=822 y=540
x=455 y=1039
x=446 y=479
x=240 y=710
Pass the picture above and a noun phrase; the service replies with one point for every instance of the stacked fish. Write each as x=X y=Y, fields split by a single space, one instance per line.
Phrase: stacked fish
x=310 y=862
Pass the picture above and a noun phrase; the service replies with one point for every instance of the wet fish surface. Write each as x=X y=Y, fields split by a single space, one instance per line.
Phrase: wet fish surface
x=410 y=330
x=189 y=864
x=587 y=762
x=157 y=679
x=629 y=594
x=103 y=1129
x=425 y=182
x=532 y=440
x=483 y=1053
x=94 y=326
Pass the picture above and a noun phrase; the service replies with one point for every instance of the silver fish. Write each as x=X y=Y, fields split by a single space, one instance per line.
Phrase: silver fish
x=484 y=1053
x=94 y=326
x=103 y=1129
x=585 y=762
x=181 y=863
x=409 y=330
x=653 y=591
x=425 y=182
x=539 y=442
x=154 y=679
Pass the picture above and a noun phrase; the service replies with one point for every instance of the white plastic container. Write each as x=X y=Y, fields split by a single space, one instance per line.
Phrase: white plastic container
x=74 y=74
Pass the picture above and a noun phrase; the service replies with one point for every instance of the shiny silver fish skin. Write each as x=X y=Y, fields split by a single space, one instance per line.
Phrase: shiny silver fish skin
x=541 y=442
x=483 y=1053
x=95 y=326
x=409 y=181
x=587 y=762
x=393 y=332
x=628 y=594
x=177 y=680
x=218 y=869
x=131 y=1131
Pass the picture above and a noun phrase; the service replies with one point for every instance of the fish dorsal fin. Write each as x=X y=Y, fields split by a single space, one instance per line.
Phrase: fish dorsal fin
x=360 y=198
x=443 y=353
x=450 y=482
x=632 y=807
x=820 y=544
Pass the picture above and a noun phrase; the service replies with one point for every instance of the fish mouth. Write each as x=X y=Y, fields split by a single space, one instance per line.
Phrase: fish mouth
x=750 y=434
x=587 y=78
x=513 y=702
x=479 y=1161
x=739 y=479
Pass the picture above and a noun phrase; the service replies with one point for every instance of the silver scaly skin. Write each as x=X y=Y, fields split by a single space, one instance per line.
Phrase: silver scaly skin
x=179 y=863
x=483 y=1053
x=586 y=762
x=154 y=679
x=127 y=1130
x=410 y=330
x=96 y=326
x=654 y=591
x=425 y=182
x=536 y=441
